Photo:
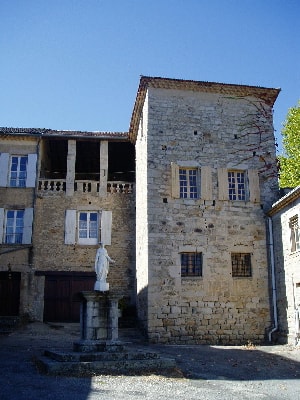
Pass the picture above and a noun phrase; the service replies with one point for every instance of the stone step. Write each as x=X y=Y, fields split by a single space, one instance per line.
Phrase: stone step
x=132 y=334
x=9 y=324
x=90 y=368
x=99 y=356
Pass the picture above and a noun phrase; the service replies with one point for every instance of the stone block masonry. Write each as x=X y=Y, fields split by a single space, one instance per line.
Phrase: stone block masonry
x=213 y=133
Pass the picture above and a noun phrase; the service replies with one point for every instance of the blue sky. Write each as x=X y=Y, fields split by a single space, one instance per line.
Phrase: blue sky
x=76 y=64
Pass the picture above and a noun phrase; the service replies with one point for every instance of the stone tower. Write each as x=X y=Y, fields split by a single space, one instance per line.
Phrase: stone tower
x=205 y=175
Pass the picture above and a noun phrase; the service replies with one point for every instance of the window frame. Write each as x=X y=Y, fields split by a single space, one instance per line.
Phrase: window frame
x=294 y=234
x=234 y=189
x=19 y=181
x=189 y=266
x=192 y=191
x=17 y=237
x=243 y=269
x=88 y=240
x=71 y=226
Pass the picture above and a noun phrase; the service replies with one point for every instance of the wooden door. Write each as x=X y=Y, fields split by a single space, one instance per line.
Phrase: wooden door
x=62 y=295
x=9 y=293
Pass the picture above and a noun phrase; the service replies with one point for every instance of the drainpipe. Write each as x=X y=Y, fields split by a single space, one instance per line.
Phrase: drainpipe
x=274 y=295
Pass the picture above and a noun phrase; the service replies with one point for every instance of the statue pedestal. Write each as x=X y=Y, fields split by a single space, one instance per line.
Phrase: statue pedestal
x=101 y=286
x=99 y=351
x=98 y=322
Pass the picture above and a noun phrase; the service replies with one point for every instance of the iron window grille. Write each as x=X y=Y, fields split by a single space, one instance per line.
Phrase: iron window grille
x=241 y=265
x=191 y=264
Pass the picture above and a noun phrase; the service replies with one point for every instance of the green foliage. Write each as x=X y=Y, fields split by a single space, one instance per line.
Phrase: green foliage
x=290 y=161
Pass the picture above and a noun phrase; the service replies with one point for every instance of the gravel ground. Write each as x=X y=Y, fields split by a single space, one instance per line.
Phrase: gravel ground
x=204 y=372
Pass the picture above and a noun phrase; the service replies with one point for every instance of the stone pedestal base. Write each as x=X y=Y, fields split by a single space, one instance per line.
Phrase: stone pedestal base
x=101 y=286
x=99 y=351
x=98 y=322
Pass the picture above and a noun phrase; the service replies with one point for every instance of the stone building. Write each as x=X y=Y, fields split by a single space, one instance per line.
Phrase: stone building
x=188 y=230
x=285 y=223
x=61 y=193
x=205 y=177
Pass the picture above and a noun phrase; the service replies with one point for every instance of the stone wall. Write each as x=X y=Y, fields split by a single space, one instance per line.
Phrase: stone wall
x=142 y=221
x=52 y=254
x=205 y=130
x=48 y=251
x=287 y=272
x=19 y=257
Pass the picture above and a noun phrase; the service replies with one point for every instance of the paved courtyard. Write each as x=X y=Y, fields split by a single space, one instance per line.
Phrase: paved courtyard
x=203 y=372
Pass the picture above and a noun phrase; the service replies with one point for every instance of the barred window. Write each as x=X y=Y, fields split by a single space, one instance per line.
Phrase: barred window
x=295 y=234
x=236 y=185
x=241 y=264
x=191 y=264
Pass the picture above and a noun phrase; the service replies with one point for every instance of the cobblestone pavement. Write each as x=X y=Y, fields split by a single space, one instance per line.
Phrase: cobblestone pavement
x=204 y=372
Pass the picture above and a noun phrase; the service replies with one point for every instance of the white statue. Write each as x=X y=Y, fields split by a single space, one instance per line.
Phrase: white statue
x=102 y=261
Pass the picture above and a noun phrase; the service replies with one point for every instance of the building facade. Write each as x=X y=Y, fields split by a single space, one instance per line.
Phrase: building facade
x=205 y=177
x=188 y=230
x=61 y=193
x=285 y=214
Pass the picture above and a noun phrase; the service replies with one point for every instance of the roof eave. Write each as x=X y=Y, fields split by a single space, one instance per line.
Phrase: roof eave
x=268 y=95
x=285 y=200
x=40 y=132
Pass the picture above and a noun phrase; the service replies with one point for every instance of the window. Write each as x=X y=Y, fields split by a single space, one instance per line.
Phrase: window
x=18 y=169
x=236 y=185
x=241 y=185
x=241 y=265
x=295 y=234
x=88 y=227
x=188 y=183
x=191 y=264
x=14 y=226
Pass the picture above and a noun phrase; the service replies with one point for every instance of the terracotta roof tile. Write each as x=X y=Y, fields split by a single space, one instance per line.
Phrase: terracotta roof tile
x=60 y=133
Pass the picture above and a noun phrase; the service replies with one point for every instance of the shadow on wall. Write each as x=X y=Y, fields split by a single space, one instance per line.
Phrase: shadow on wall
x=281 y=335
x=142 y=310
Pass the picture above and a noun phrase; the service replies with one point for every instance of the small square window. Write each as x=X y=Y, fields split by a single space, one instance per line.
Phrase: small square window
x=191 y=264
x=241 y=264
